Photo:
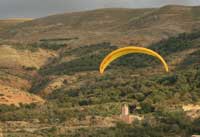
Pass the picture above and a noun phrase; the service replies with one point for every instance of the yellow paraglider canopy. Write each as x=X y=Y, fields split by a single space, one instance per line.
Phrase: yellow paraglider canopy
x=127 y=50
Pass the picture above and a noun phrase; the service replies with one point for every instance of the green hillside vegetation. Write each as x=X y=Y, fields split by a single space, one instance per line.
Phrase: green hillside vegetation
x=126 y=80
x=166 y=124
x=191 y=59
x=89 y=57
x=44 y=44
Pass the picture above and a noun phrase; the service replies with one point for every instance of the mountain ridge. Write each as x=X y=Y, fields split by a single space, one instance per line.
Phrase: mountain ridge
x=118 y=26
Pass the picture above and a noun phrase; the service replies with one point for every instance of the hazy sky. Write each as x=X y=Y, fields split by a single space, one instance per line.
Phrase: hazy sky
x=39 y=8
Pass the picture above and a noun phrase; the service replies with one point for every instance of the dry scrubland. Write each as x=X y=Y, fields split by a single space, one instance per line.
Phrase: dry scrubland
x=50 y=84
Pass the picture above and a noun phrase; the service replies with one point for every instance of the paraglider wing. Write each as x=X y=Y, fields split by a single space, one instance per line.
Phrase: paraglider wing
x=127 y=50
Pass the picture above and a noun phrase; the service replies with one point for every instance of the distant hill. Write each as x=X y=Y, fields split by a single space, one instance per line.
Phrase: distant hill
x=6 y=23
x=118 y=26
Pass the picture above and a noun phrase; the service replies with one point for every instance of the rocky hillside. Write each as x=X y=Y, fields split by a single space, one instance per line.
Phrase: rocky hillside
x=56 y=59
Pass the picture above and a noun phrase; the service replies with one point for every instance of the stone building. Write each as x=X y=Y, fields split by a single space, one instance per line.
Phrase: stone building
x=125 y=116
